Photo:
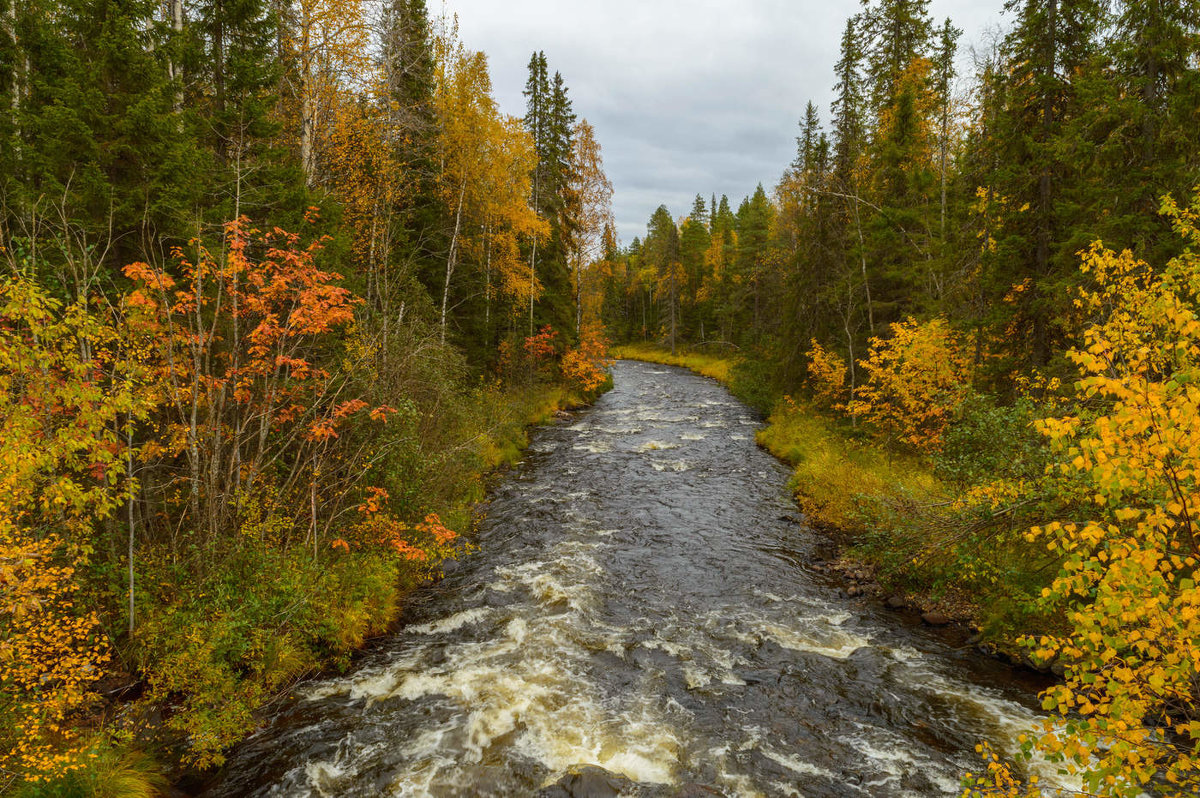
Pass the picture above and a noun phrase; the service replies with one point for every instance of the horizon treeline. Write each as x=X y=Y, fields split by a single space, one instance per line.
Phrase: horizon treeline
x=928 y=190
x=280 y=283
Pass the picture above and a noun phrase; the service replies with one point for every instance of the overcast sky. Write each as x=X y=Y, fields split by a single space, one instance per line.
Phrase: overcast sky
x=687 y=96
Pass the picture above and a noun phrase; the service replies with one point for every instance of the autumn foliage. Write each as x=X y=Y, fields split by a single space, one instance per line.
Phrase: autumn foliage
x=915 y=381
x=586 y=367
x=64 y=388
x=1127 y=716
x=827 y=376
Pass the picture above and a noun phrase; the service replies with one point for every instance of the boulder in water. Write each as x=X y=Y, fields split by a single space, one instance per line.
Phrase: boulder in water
x=588 y=781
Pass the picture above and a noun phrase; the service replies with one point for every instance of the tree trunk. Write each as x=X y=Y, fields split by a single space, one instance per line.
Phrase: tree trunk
x=487 y=283
x=674 y=302
x=173 y=69
x=532 y=281
x=862 y=254
x=129 y=508
x=579 y=300
x=453 y=256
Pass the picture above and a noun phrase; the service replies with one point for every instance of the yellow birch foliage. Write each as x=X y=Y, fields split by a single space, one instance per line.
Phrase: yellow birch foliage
x=1127 y=714
x=826 y=376
x=62 y=391
x=487 y=159
x=915 y=382
x=326 y=46
x=367 y=177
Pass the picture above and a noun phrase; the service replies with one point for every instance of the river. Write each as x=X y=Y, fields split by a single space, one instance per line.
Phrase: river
x=641 y=602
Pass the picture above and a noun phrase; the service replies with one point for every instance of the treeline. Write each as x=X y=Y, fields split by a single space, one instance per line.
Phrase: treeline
x=973 y=303
x=280 y=283
x=932 y=193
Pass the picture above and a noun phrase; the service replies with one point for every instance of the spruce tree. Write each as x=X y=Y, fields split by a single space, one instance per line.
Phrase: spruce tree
x=694 y=240
x=408 y=70
x=231 y=78
x=1138 y=121
x=100 y=139
x=1050 y=45
x=807 y=141
x=943 y=77
x=662 y=254
x=551 y=120
x=897 y=32
x=848 y=107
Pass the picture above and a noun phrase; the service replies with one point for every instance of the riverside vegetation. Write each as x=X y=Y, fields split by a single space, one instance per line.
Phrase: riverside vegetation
x=281 y=285
x=281 y=282
x=971 y=312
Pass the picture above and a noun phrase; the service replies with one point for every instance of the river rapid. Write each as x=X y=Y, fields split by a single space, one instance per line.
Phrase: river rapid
x=640 y=602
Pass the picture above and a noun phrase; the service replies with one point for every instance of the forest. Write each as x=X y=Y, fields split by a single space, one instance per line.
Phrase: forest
x=992 y=278
x=283 y=285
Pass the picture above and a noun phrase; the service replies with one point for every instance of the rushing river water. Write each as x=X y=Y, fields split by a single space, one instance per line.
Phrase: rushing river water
x=640 y=602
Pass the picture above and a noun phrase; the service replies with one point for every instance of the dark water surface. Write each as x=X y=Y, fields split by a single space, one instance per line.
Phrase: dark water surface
x=638 y=603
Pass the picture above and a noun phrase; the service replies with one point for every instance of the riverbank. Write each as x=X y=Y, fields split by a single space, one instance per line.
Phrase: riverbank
x=891 y=521
x=636 y=605
x=266 y=618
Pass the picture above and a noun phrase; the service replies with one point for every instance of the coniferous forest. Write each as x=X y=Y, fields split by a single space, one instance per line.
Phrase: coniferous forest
x=282 y=285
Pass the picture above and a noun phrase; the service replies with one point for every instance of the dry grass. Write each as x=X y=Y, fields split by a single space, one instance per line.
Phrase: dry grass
x=715 y=366
x=833 y=472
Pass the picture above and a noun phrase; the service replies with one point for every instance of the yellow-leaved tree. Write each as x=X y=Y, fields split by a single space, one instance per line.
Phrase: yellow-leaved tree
x=1127 y=716
x=826 y=376
x=66 y=398
x=486 y=160
x=914 y=383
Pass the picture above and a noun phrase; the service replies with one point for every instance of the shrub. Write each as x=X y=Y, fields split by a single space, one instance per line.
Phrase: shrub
x=915 y=382
x=826 y=377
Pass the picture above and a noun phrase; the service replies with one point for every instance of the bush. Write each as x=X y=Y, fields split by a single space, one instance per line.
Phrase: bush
x=753 y=381
x=915 y=382
x=826 y=377
x=988 y=442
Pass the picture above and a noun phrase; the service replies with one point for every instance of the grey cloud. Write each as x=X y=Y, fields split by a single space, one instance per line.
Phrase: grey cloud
x=686 y=97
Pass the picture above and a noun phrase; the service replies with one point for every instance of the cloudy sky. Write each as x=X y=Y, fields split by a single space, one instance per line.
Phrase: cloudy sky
x=687 y=96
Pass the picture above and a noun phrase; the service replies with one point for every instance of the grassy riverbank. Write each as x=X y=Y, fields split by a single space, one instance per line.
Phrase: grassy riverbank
x=889 y=511
x=834 y=467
